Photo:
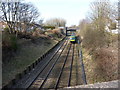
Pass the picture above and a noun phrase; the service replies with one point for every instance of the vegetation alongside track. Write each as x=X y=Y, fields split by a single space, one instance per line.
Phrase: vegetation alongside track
x=15 y=60
x=102 y=66
x=100 y=49
x=100 y=45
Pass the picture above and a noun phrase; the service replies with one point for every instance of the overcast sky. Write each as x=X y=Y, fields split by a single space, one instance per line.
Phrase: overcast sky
x=71 y=10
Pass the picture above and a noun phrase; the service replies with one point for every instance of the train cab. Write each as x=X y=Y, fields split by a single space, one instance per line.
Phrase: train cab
x=73 y=38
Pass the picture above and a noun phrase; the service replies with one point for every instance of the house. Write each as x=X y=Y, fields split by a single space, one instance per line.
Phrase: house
x=113 y=30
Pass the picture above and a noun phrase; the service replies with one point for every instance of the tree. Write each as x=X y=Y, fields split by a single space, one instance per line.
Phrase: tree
x=103 y=13
x=94 y=33
x=56 y=22
x=9 y=14
x=83 y=25
x=28 y=14
x=18 y=13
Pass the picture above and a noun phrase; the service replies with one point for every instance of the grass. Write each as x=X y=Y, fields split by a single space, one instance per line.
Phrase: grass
x=27 y=53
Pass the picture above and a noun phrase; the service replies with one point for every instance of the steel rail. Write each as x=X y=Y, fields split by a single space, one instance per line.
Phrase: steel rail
x=47 y=63
x=26 y=85
x=71 y=67
x=51 y=68
x=58 y=80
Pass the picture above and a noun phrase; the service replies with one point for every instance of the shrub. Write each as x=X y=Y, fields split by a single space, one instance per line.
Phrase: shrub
x=9 y=41
x=48 y=27
x=94 y=39
x=57 y=33
x=9 y=46
x=13 y=40
x=6 y=29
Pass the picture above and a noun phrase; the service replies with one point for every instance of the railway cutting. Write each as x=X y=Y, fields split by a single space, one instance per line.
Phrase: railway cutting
x=59 y=68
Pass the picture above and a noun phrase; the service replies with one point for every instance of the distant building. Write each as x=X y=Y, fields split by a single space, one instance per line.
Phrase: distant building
x=61 y=27
x=115 y=31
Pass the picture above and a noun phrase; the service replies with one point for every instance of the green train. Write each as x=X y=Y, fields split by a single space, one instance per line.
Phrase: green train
x=73 y=39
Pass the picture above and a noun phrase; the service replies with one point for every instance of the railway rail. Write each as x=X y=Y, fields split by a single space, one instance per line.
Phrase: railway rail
x=61 y=68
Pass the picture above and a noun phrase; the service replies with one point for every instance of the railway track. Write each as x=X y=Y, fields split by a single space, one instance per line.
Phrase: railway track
x=59 y=69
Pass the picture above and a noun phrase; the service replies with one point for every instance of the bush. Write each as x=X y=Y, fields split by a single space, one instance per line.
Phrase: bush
x=55 y=33
x=48 y=27
x=13 y=40
x=9 y=41
x=6 y=29
x=9 y=46
x=94 y=39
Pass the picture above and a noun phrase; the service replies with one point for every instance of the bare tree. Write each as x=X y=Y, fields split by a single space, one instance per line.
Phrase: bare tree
x=18 y=13
x=94 y=33
x=57 y=22
x=103 y=13
x=29 y=14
